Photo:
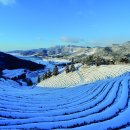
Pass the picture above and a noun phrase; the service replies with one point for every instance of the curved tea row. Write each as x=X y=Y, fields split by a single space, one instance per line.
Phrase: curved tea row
x=99 y=105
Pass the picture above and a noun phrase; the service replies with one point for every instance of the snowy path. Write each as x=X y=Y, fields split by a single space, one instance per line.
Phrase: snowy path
x=100 y=105
x=81 y=77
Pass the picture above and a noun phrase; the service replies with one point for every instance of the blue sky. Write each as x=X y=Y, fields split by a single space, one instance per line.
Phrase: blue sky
x=27 y=24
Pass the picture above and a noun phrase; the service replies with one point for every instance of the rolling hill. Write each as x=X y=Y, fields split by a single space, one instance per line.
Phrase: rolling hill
x=8 y=61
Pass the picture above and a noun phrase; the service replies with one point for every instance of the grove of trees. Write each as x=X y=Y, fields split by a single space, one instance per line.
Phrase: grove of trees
x=48 y=74
x=70 y=68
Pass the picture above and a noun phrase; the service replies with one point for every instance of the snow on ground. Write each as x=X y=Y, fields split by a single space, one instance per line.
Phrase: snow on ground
x=59 y=60
x=33 y=75
x=49 y=62
x=100 y=105
x=13 y=73
x=85 y=75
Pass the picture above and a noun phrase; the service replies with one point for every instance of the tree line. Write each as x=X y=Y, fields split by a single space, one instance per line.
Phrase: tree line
x=99 y=60
x=55 y=72
x=48 y=74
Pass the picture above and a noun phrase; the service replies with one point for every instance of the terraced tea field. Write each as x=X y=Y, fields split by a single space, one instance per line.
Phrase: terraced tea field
x=85 y=75
x=100 y=105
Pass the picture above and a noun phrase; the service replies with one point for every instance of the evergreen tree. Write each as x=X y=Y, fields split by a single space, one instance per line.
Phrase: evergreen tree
x=124 y=60
x=83 y=61
x=43 y=77
x=39 y=79
x=72 y=68
x=55 y=70
x=67 y=70
x=49 y=74
x=29 y=82
x=97 y=61
x=46 y=75
x=72 y=61
x=1 y=73
x=22 y=76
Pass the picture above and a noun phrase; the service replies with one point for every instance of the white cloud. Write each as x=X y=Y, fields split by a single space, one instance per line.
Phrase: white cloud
x=71 y=39
x=7 y=2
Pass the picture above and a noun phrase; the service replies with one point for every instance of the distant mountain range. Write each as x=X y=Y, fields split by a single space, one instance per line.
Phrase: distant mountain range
x=70 y=51
x=57 y=50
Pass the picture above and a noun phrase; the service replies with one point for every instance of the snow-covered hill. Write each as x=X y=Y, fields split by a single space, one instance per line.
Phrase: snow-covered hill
x=85 y=75
x=8 y=61
x=100 y=105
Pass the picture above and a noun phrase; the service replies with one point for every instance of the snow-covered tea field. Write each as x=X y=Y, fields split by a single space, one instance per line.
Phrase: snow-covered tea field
x=85 y=75
x=101 y=105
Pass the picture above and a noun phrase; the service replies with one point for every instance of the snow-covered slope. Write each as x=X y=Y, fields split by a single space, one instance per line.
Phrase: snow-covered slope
x=85 y=75
x=98 y=106
x=13 y=73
